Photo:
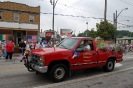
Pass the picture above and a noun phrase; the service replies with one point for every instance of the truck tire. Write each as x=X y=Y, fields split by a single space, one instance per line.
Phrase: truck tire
x=58 y=72
x=109 y=65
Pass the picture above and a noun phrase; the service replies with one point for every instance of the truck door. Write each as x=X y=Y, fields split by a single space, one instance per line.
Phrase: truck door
x=86 y=59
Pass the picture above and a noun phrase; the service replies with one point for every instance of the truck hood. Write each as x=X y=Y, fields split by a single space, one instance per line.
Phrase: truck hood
x=44 y=51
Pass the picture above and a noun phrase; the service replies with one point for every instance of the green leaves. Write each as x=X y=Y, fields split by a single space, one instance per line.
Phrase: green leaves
x=105 y=34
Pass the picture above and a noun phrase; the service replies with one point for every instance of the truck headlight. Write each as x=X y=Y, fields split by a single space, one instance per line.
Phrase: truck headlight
x=42 y=60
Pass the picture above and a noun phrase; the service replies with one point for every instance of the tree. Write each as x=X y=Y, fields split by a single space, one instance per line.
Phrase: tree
x=123 y=33
x=86 y=33
x=92 y=33
x=119 y=36
x=105 y=34
x=131 y=34
x=80 y=34
x=73 y=35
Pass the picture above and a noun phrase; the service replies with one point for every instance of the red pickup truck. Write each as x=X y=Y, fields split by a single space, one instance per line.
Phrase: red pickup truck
x=59 y=61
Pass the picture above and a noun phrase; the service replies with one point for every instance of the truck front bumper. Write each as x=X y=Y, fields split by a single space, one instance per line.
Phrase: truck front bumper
x=119 y=60
x=41 y=69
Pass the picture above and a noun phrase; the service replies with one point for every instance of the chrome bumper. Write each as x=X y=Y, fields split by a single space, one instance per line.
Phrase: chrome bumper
x=41 y=69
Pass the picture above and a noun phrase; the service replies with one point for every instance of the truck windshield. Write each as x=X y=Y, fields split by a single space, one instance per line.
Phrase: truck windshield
x=68 y=43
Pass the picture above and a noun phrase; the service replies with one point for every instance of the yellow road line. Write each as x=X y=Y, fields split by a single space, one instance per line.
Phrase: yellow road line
x=12 y=68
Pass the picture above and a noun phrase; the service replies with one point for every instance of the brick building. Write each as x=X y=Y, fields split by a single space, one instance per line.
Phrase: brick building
x=19 y=21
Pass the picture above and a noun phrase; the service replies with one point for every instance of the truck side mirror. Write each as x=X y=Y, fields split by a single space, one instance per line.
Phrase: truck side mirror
x=79 y=50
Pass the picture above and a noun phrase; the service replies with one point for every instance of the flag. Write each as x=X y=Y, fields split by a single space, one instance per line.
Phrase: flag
x=32 y=38
x=70 y=34
x=75 y=54
x=22 y=57
x=29 y=38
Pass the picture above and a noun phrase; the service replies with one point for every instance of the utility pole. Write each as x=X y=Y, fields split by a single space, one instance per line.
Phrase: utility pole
x=105 y=11
x=114 y=20
x=116 y=27
x=115 y=23
x=53 y=23
x=54 y=4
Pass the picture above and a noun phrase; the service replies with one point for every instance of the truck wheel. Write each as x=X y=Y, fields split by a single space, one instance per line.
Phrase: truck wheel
x=58 y=72
x=109 y=65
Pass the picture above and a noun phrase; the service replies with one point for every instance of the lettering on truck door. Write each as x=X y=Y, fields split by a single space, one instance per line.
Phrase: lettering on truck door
x=86 y=59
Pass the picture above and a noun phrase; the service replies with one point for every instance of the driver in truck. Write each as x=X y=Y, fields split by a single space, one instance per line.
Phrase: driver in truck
x=86 y=46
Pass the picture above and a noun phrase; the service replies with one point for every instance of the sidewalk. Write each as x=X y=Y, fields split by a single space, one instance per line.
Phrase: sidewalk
x=15 y=54
x=15 y=62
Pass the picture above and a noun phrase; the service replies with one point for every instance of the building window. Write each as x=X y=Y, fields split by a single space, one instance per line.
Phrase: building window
x=31 y=18
x=0 y=15
x=16 y=16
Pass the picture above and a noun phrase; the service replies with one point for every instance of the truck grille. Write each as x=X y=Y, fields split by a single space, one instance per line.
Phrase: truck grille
x=35 y=59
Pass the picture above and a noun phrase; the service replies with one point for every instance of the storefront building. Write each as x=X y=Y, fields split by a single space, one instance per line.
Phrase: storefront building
x=19 y=21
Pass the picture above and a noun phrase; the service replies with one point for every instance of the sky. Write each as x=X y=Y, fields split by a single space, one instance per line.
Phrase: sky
x=86 y=8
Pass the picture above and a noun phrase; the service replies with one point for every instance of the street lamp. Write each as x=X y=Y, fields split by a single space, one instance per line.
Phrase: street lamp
x=87 y=25
x=54 y=4
x=115 y=22
x=120 y=12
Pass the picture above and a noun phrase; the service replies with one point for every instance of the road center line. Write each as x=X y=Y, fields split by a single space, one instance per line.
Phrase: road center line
x=12 y=68
x=82 y=79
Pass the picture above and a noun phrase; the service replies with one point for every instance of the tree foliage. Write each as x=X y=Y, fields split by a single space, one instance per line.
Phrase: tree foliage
x=121 y=33
x=92 y=33
x=88 y=33
x=80 y=34
x=105 y=34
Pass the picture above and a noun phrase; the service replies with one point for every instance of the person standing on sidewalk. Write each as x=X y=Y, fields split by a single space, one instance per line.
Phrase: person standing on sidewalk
x=9 y=49
x=1 y=52
x=22 y=47
x=37 y=45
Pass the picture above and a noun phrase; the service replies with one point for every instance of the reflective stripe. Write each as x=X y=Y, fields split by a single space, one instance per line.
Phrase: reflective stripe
x=83 y=63
x=101 y=61
x=88 y=63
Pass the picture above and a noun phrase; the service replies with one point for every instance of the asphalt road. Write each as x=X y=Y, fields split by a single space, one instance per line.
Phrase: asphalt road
x=15 y=75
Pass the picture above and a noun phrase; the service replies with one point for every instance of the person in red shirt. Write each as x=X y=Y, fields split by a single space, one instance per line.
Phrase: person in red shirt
x=9 y=50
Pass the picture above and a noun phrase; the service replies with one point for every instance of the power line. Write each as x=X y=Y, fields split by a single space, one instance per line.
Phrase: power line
x=126 y=16
x=70 y=6
x=73 y=15
x=89 y=11
x=79 y=9
x=126 y=2
x=122 y=24
x=87 y=17
x=123 y=27
x=76 y=8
